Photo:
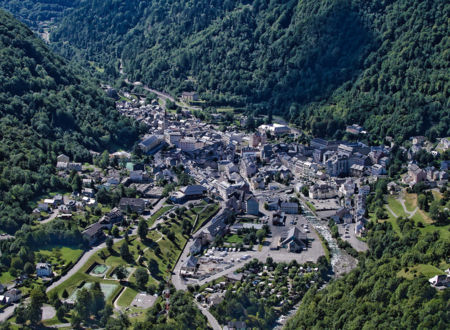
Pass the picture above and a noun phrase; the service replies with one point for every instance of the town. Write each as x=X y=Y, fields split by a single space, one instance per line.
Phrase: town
x=195 y=203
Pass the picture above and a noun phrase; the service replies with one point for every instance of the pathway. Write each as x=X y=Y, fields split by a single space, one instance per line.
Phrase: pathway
x=410 y=214
x=390 y=210
x=211 y=319
x=51 y=217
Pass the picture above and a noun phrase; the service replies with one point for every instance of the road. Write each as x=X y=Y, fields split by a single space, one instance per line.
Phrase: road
x=51 y=217
x=211 y=319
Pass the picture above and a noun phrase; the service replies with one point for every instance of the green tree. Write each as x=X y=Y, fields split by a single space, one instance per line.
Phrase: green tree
x=141 y=278
x=142 y=229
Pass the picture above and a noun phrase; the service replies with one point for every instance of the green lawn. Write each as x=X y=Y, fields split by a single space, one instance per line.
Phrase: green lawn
x=311 y=206
x=422 y=269
x=127 y=297
x=395 y=206
x=67 y=254
x=233 y=239
x=6 y=277
x=158 y=213
x=206 y=215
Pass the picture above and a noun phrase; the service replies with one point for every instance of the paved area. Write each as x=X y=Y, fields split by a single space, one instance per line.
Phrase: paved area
x=211 y=319
x=347 y=233
x=143 y=300
x=48 y=312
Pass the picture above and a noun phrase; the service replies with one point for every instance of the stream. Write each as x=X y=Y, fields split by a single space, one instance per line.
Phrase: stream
x=341 y=261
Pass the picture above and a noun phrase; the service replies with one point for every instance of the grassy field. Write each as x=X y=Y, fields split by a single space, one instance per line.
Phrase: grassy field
x=206 y=215
x=61 y=255
x=410 y=201
x=158 y=213
x=311 y=206
x=233 y=239
x=6 y=278
x=127 y=297
x=422 y=269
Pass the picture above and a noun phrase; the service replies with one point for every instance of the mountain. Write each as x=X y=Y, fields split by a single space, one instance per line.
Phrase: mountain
x=35 y=12
x=47 y=107
x=320 y=64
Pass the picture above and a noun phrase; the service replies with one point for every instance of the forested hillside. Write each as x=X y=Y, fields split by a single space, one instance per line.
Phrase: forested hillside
x=45 y=109
x=320 y=64
x=32 y=12
x=374 y=295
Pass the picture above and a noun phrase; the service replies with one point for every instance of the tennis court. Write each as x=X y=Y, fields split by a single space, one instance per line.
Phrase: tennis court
x=107 y=289
x=99 y=270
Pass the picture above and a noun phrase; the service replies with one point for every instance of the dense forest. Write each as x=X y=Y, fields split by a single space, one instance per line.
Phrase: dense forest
x=374 y=296
x=46 y=108
x=320 y=64
x=33 y=12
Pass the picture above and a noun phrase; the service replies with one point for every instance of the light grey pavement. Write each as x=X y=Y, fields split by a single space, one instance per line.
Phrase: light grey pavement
x=211 y=319
x=48 y=312
x=357 y=244
x=7 y=313
x=51 y=217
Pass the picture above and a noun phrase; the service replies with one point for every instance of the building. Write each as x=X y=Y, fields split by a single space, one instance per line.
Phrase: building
x=190 y=144
x=354 y=129
x=278 y=218
x=247 y=167
x=294 y=241
x=189 y=96
x=136 y=205
x=440 y=280
x=322 y=191
x=217 y=227
x=44 y=269
x=196 y=247
x=12 y=296
x=111 y=218
x=251 y=205
x=63 y=159
x=190 y=266
x=275 y=129
x=416 y=174
x=149 y=143
x=289 y=208
x=190 y=192
x=94 y=233
x=337 y=165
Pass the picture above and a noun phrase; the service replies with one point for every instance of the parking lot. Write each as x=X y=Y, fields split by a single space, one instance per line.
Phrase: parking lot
x=143 y=300
x=347 y=233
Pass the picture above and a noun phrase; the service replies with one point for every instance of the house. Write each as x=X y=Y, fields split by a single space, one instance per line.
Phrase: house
x=149 y=143
x=278 y=218
x=190 y=192
x=88 y=192
x=218 y=226
x=111 y=218
x=94 y=233
x=235 y=325
x=77 y=167
x=189 y=96
x=63 y=158
x=321 y=191
x=289 y=208
x=294 y=241
x=354 y=129
x=136 y=205
x=12 y=296
x=416 y=174
x=44 y=269
x=190 y=266
x=440 y=280
x=251 y=205
x=196 y=246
